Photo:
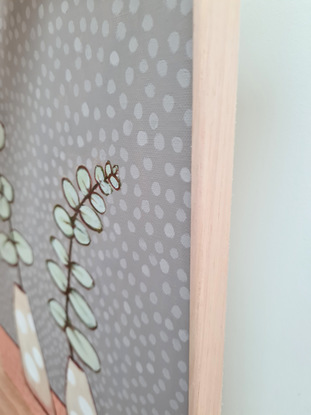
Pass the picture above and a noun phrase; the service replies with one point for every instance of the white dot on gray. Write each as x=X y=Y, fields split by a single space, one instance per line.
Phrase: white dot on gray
x=147 y=23
x=114 y=58
x=111 y=86
x=169 y=230
x=153 y=47
x=129 y=75
x=142 y=138
x=138 y=111
x=162 y=68
x=153 y=121
x=156 y=188
x=173 y=41
x=159 y=142
x=143 y=66
x=185 y=174
x=134 y=171
x=105 y=28
x=168 y=103
x=185 y=7
x=133 y=6
x=127 y=127
x=148 y=163
x=150 y=90
x=184 y=78
x=121 y=31
x=133 y=44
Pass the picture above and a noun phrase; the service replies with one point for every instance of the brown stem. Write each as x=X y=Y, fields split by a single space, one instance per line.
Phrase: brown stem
x=72 y=219
x=19 y=273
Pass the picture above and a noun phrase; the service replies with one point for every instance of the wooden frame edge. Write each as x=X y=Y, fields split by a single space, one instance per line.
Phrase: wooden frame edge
x=215 y=63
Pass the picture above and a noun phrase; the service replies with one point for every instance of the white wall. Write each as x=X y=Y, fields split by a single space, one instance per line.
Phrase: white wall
x=268 y=333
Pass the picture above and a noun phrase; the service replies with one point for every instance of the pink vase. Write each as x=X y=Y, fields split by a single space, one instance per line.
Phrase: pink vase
x=79 y=400
x=31 y=355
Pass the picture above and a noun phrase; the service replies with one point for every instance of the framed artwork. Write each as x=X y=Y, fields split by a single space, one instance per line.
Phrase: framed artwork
x=116 y=150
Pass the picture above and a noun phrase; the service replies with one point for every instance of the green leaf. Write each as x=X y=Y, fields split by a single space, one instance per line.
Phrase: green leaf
x=115 y=182
x=105 y=188
x=70 y=193
x=63 y=220
x=2 y=136
x=8 y=250
x=5 y=209
x=23 y=248
x=59 y=250
x=99 y=173
x=83 y=348
x=82 y=276
x=108 y=169
x=6 y=189
x=84 y=180
x=100 y=178
x=82 y=309
x=81 y=233
x=58 y=313
x=57 y=275
x=90 y=218
x=98 y=203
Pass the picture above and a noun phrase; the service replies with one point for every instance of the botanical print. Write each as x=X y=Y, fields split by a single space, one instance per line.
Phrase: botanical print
x=14 y=249
x=83 y=82
x=75 y=226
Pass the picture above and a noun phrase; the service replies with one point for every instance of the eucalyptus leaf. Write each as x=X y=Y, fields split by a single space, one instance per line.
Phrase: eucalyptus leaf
x=8 y=250
x=83 y=348
x=57 y=275
x=105 y=188
x=99 y=174
x=6 y=189
x=58 y=313
x=82 y=276
x=63 y=221
x=5 y=209
x=70 y=193
x=100 y=178
x=23 y=248
x=115 y=182
x=82 y=309
x=59 y=250
x=2 y=136
x=98 y=203
x=108 y=169
x=84 y=180
x=90 y=218
x=81 y=233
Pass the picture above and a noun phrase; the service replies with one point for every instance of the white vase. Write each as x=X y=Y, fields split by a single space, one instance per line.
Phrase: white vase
x=79 y=400
x=31 y=355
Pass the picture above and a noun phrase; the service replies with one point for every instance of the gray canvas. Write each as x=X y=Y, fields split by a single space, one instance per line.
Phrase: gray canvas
x=82 y=82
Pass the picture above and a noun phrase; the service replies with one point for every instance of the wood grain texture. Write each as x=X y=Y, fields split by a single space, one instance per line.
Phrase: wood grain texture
x=215 y=57
x=10 y=400
x=12 y=379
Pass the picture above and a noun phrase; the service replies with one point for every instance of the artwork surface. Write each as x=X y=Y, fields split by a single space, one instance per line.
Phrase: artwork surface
x=82 y=83
x=15 y=250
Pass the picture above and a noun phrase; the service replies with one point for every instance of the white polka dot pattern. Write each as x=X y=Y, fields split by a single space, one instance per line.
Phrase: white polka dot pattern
x=82 y=82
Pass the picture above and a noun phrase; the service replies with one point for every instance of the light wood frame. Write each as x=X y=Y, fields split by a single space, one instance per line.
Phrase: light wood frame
x=215 y=62
x=215 y=47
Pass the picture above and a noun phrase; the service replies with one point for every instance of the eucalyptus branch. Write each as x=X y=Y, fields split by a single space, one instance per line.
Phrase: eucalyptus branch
x=13 y=246
x=75 y=227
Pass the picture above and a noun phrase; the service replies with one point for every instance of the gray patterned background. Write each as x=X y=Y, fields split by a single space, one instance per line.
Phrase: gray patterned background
x=83 y=81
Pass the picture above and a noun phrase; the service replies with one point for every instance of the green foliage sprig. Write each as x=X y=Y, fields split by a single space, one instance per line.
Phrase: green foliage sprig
x=74 y=226
x=13 y=246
